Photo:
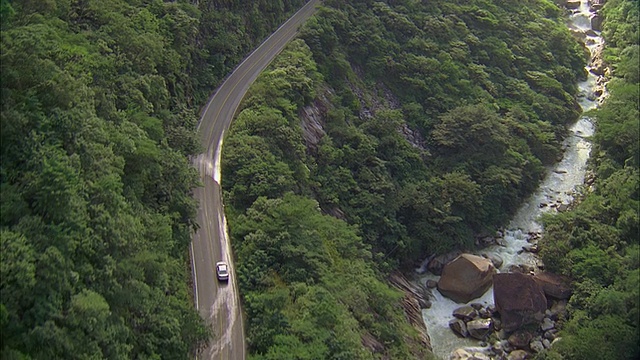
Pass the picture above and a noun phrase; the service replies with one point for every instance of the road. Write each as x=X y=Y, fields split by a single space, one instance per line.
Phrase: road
x=218 y=303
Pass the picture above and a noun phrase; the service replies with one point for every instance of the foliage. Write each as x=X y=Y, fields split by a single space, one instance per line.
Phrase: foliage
x=416 y=127
x=597 y=243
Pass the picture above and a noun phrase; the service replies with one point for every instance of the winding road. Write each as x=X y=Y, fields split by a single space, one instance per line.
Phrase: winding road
x=219 y=303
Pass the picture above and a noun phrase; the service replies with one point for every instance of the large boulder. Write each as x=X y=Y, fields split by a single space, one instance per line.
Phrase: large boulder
x=554 y=285
x=519 y=300
x=466 y=278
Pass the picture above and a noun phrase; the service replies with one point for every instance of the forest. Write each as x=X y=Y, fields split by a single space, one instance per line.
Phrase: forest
x=99 y=105
x=436 y=120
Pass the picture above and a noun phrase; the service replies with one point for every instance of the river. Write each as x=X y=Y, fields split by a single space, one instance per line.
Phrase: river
x=556 y=189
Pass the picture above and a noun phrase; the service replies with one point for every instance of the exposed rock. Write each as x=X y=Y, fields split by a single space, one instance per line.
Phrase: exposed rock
x=558 y=309
x=459 y=327
x=520 y=339
x=476 y=306
x=496 y=260
x=554 y=285
x=597 y=65
x=479 y=328
x=546 y=343
x=518 y=355
x=413 y=295
x=312 y=117
x=536 y=346
x=596 y=22
x=547 y=324
x=572 y=4
x=497 y=324
x=519 y=300
x=437 y=264
x=460 y=354
x=531 y=248
x=549 y=335
x=465 y=313
x=431 y=283
x=466 y=278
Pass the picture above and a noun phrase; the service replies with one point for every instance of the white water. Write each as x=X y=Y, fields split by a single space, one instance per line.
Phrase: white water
x=557 y=188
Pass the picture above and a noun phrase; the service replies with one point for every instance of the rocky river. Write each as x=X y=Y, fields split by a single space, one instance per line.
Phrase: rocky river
x=514 y=249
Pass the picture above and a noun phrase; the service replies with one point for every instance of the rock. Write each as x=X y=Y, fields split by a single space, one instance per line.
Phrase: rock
x=518 y=355
x=479 y=328
x=466 y=278
x=520 y=339
x=484 y=313
x=465 y=313
x=491 y=309
x=476 y=306
x=596 y=22
x=546 y=343
x=573 y=4
x=562 y=207
x=530 y=248
x=431 y=284
x=437 y=264
x=497 y=324
x=460 y=354
x=555 y=341
x=536 y=346
x=591 y=33
x=549 y=335
x=496 y=260
x=547 y=324
x=424 y=303
x=554 y=285
x=597 y=65
x=519 y=300
x=558 y=309
x=458 y=327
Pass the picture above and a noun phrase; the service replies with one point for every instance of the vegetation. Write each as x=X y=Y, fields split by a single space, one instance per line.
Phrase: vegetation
x=96 y=212
x=436 y=121
x=597 y=243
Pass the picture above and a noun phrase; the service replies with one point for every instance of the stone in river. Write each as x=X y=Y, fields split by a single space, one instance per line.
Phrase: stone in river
x=466 y=278
x=519 y=300
x=479 y=328
x=465 y=313
x=458 y=327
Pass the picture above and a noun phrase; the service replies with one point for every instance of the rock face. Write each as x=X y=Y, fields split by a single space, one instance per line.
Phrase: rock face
x=519 y=300
x=466 y=278
x=553 y=285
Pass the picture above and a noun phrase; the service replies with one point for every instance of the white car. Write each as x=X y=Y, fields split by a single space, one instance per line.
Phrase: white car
x=222 y=271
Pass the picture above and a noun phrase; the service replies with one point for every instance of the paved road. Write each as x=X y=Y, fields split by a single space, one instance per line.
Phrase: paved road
x=219 y=303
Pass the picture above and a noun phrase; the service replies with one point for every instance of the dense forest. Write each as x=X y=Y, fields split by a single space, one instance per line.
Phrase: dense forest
x=98 y=114
x=597 y=244
x=389 y=131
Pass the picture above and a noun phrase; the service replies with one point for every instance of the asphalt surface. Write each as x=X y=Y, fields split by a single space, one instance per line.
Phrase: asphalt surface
x=217 y=302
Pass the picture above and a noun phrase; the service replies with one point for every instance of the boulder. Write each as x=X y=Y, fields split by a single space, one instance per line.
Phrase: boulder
x=465 y=313
x=519 y=300
x=437 y=263
x=460 y=354
x=466 y=278
x=596 y=22
x=520 y=339
x=495 y=260
x=536 y=346
x=553 y=285
x=431 y=284
x=479 y=328
x=572 y=4
x=559 y=310
x=547 y=324
x=518 y=355
x=458 y=327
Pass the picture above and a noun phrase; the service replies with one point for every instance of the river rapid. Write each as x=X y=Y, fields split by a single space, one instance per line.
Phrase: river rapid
x=556 y=191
